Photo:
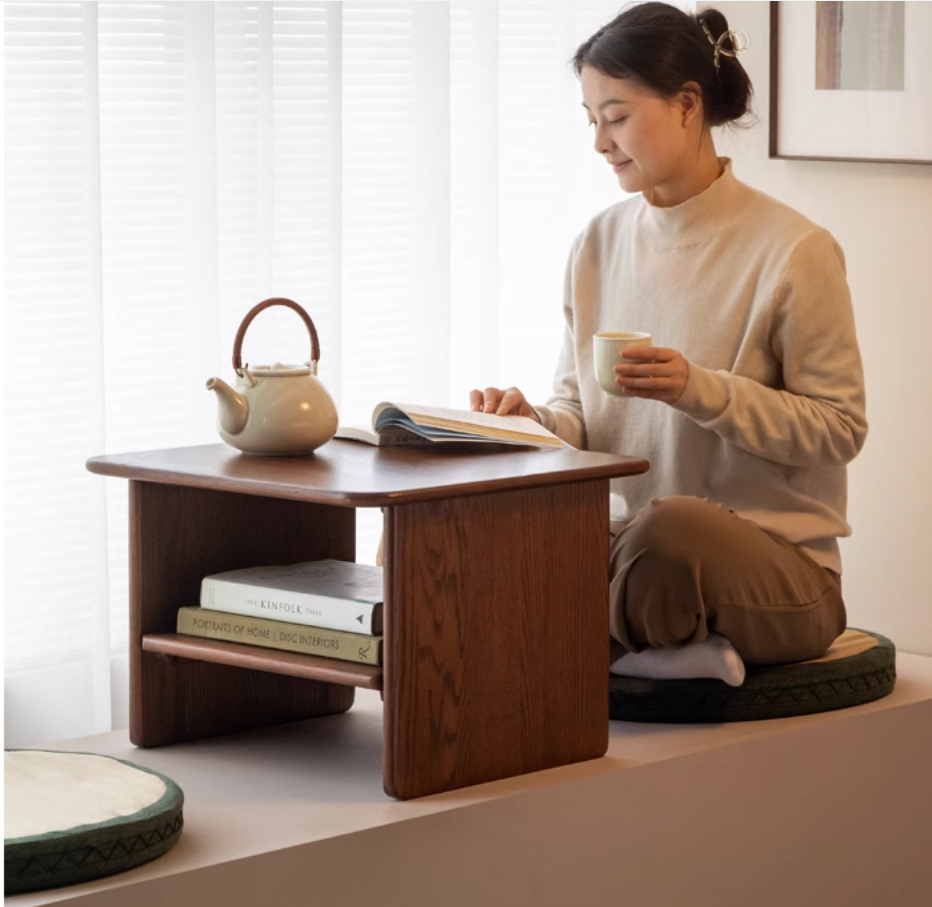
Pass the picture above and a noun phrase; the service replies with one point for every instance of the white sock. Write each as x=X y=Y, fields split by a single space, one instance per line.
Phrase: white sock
x=713 y=657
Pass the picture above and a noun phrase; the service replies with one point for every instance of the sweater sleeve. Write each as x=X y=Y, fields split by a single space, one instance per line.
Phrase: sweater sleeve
x=817 y=419
x=563 y=414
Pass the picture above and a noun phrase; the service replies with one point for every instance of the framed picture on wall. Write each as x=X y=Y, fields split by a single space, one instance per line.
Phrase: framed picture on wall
x=851 y=81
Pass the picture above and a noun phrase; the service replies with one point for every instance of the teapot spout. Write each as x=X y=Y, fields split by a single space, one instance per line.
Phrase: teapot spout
x=234 y=408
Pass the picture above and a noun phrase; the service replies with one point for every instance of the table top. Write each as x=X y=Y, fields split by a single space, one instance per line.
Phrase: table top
x=351 y=474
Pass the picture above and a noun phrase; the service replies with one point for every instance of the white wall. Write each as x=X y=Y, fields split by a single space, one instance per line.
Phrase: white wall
x=882 y=216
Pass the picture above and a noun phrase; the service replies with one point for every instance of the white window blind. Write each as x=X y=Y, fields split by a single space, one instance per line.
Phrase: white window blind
x=55 y=558
x=54 y=563
x=412 y=173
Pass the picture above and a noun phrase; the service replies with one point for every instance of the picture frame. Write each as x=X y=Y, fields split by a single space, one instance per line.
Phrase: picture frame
x=851 y=82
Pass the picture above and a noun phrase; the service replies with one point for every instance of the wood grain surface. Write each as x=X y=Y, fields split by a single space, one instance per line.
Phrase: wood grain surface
x=178 y=536
x=350 y=474
x=496 y=599
x=496 y=636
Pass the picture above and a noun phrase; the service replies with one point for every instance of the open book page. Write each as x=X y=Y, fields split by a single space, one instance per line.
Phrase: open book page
x=439 y=423
x=389 y=436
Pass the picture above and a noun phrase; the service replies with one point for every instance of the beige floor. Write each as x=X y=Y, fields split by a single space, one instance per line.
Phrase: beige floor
x=300 y=808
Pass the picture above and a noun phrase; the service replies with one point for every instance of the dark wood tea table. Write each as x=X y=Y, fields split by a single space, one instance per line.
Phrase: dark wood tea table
x=496 y=599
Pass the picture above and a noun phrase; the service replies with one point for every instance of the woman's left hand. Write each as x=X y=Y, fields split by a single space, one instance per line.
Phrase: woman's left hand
x=657 y=373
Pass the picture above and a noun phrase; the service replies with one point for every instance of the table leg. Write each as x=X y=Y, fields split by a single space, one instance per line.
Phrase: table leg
x=177 y=536
x=496 y=637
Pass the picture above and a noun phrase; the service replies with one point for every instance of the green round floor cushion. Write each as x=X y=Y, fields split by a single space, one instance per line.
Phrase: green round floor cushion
x=73 y=817
x=860 y=667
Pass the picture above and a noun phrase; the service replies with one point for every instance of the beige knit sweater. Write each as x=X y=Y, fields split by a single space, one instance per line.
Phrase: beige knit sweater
x=754 y=296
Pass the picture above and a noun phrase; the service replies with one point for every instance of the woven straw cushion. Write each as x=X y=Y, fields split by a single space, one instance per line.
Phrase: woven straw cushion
x=859 y=667
x=72 y=817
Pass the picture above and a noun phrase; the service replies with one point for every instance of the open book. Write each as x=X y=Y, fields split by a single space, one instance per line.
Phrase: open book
x=403 y=423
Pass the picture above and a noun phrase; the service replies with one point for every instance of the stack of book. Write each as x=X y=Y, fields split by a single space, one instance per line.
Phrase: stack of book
x=329 y=608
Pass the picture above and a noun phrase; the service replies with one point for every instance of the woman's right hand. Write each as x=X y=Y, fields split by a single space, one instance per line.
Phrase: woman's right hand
x=508 y=402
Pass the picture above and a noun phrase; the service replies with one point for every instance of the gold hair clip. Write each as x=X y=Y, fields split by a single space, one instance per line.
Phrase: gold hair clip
x=739 y=47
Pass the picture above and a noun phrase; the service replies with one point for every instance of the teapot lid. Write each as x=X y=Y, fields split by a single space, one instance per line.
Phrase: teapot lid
x=280 y=370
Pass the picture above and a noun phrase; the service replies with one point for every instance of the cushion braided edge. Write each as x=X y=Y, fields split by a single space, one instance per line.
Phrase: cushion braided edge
x=770 y=691
x=88 y=852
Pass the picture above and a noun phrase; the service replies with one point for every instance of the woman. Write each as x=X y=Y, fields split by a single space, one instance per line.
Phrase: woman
x=754 y=403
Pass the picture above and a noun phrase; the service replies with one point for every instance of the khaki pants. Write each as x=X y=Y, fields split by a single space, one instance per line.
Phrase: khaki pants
x=685 y=566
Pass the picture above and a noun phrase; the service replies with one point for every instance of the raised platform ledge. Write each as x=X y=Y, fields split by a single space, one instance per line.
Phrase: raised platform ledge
x=829 y=809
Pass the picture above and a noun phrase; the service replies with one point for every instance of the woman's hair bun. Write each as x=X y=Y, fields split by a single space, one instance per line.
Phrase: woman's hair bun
x=664 y=48
x=731 y=99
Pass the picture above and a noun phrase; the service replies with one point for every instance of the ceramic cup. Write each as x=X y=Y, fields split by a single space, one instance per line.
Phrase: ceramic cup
x=607 y=348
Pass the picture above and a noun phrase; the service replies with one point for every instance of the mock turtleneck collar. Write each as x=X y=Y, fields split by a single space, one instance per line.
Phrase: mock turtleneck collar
x=699 y=217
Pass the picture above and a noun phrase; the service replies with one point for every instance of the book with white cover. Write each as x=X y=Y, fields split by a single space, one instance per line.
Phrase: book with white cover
x=338 y=595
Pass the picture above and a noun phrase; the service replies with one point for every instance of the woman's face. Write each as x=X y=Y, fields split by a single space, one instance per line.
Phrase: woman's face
x=645 y=138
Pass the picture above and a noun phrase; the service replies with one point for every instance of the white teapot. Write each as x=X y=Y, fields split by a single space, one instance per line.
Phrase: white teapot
x=276 y=409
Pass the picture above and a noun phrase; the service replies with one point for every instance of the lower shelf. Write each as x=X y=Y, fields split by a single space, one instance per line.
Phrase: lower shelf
x=256 y=658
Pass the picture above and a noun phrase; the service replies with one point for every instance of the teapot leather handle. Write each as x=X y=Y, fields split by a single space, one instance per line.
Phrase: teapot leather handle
x=277 y=300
